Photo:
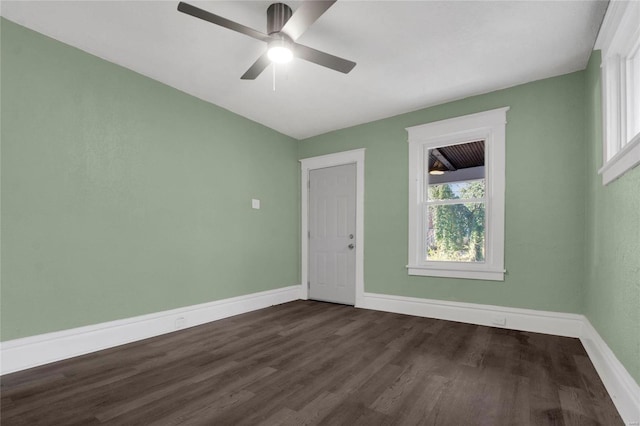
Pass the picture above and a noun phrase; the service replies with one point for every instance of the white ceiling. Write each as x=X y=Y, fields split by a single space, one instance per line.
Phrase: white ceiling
x=409 y=55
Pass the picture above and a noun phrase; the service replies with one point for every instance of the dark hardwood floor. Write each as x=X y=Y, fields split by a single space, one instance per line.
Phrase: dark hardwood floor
x=316 y=363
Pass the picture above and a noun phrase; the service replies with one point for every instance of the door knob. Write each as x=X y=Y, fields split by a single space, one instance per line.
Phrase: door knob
x=351 y=246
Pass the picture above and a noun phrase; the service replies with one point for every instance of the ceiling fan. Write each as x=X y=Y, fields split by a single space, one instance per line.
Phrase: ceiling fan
x=283 y=29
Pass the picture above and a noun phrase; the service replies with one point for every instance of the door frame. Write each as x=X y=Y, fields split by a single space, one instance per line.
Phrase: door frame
x=356 y=157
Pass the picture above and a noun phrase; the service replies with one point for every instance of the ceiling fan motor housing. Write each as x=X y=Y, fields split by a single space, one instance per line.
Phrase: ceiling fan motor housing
x=277 y=15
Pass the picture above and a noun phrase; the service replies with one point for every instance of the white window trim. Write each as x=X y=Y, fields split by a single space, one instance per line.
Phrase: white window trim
x=491 y=127
x=619 y=41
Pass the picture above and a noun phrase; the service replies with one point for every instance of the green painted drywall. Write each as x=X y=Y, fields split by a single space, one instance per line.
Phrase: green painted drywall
x=544 y=197
x=612 y=290
x=122 y=196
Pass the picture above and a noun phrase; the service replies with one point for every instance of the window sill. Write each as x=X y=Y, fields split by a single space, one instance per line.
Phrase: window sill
x=478 y=274
x=619 y=164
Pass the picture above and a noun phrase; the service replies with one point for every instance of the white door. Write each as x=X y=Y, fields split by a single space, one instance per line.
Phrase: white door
x=332 y=227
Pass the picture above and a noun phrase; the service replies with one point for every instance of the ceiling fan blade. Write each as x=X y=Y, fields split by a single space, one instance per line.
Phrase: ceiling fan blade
x=324 y=59
x=308 y=12
x=258 y=66
x=223 y=22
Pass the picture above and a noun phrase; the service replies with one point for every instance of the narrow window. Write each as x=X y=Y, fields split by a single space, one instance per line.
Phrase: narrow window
x=456 y=197
x=619 y=40
x=455 y=203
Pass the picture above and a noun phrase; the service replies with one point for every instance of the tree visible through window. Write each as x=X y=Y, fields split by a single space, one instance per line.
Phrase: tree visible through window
x=456 y=228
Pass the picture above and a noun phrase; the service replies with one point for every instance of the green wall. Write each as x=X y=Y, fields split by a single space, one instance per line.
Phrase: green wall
x=545 y=195
x=612 y=291
x=122 y=196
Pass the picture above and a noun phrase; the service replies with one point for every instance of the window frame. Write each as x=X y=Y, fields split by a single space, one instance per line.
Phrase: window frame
x=619 y=41
x=489 y=126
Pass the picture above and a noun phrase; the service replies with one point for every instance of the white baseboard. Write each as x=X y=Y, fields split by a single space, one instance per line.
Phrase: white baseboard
x=557 y=323
x=20 y=354
x=622 y=388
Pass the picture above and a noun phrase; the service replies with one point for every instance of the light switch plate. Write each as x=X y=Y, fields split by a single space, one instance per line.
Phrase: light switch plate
x=255 y=204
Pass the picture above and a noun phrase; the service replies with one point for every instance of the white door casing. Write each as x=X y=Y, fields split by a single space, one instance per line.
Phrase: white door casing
x=336 y=159
x=332 y=223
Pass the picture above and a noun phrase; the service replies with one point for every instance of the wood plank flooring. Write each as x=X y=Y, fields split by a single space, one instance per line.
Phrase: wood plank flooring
x=307 y=362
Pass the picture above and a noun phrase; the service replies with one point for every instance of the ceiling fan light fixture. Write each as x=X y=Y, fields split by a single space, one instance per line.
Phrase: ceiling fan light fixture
x=279 y=52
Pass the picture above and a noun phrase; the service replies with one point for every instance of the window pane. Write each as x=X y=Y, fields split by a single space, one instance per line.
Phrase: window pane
x=455 y=171
x=456 y=190
x=455 y=232
x=633 y=94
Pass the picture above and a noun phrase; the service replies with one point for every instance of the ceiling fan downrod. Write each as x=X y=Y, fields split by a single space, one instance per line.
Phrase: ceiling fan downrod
x=277 y=15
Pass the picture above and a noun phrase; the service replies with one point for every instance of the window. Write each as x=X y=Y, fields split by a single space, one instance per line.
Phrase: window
x=456 y=197
x=619 y=40
x=454 y=204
